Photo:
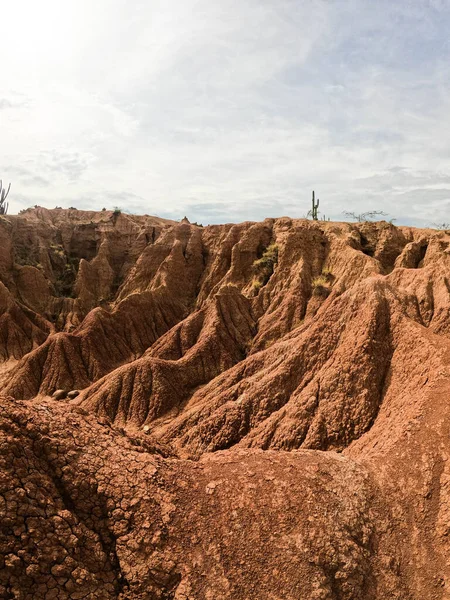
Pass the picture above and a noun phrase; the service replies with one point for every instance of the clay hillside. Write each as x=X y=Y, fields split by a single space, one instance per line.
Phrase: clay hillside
x=263 y=409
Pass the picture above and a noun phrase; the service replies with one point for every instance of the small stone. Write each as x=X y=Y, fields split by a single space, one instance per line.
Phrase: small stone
x=212 y=486
x=12 y=561
x=73 y=394
x=59 y=394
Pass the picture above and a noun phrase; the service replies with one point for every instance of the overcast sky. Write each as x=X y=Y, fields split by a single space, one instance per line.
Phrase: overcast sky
x=228 y=110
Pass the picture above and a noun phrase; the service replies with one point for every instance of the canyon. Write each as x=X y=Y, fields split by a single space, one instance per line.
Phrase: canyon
x=253 y=411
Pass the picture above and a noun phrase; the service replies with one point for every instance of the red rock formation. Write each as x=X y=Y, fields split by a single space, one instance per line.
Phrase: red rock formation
x=41 y=251
x=21 y=329
x=103 y=341
x=311 y=358
x=192 y=353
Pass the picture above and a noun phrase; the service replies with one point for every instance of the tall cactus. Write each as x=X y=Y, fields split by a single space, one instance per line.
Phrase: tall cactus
x=3 y=195
x=315 y=206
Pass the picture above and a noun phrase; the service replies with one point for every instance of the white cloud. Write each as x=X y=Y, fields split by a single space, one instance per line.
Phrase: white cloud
x=227 y=110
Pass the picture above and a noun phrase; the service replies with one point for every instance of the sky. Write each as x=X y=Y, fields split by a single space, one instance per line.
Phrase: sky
x=225 y=110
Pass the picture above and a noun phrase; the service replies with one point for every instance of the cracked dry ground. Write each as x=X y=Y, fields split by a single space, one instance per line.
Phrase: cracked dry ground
x=263 y=409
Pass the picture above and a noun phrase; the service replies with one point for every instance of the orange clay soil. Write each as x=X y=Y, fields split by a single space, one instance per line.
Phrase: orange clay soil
x=264 y=409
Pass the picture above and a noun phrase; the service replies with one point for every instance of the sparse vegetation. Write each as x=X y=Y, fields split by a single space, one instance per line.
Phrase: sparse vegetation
x=66 y=277
x=370 y=215
x=3 y=195
x=321 y=285
x=57 y=249
x=314 y=212
x=26 y=254
x=441 y=226
x=116 y=213
x=268 y=259
x=320 y=281
x=256 y=284
x=264 y=266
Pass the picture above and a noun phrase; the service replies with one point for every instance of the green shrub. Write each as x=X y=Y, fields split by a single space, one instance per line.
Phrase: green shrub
x=321 y=285
x=57 y=249
x=320 y=281
x=269 y=258
x=256 y=284
x=264 y=266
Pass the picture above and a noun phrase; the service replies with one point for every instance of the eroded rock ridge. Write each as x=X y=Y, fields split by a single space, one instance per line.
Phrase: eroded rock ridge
x=262 y=409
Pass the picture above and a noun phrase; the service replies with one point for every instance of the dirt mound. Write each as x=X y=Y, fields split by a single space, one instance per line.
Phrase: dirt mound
x=112 y=519
x=312 y=359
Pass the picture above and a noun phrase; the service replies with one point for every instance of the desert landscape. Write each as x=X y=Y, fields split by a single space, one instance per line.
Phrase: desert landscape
x=240 y=411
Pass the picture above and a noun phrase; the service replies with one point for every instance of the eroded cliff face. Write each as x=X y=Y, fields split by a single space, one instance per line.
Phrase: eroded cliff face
x=263 y=409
